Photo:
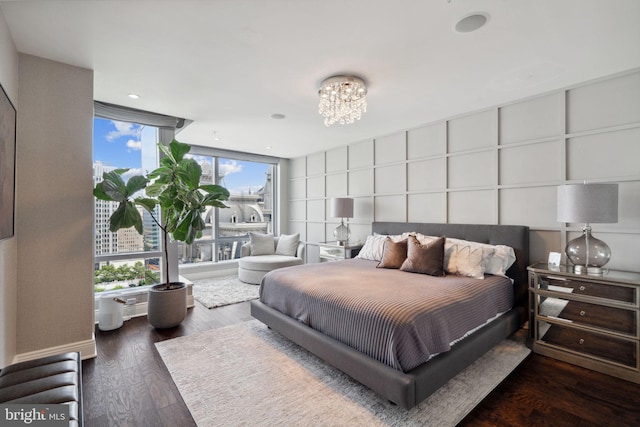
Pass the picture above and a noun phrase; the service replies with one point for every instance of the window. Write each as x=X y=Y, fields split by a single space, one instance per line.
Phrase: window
x=250 y=181
x=124 y=259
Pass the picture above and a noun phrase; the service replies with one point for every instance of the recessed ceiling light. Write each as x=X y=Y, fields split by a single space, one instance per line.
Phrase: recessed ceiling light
x=268 y=147
x=472 y=22
x=278 y=116
x=215 y=137
x=133 y=96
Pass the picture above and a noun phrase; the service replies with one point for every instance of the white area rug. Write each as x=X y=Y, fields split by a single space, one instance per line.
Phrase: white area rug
x=219 y=291
x=247 y=374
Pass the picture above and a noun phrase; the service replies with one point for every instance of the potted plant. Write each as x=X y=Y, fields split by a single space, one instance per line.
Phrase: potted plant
x=174 y=187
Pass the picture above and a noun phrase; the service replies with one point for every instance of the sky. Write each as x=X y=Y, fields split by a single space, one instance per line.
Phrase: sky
x=121 y=144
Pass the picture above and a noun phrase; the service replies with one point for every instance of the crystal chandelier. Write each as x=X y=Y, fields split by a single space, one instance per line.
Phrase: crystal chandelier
x=343 y=99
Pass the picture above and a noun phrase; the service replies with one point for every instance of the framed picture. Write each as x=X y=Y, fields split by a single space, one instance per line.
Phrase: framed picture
x=554 y=259
x=7 y=165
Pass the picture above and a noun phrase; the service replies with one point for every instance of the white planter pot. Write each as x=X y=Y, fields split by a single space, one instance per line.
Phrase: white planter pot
x=167 y=308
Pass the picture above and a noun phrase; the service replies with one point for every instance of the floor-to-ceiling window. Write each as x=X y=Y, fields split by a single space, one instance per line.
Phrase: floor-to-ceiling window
x=250 y=180
x=125 y=258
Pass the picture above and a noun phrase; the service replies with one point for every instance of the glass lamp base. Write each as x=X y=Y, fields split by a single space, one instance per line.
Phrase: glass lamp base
x=587 y=253
x=342 y=233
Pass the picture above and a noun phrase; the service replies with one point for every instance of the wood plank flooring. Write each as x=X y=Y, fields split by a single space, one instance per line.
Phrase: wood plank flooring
x=127 y=384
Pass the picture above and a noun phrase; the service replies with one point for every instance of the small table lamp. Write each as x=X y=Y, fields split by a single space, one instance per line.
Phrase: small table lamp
x=588 y=203
x=342 y=207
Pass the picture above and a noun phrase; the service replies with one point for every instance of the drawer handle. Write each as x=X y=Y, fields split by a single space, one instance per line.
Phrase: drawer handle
x=581 y=341
x=582 y=313
x=582 y=288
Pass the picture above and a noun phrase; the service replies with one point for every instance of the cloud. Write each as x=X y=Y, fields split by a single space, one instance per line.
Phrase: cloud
x=132 y=172
x=124 y=129
x=229 y=167
x=134 y=145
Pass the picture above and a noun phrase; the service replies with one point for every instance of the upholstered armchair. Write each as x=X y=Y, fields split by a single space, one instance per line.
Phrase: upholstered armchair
x=266 y=252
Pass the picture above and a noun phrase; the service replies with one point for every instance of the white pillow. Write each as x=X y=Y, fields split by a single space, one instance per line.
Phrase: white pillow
x=262 y=244
x=502 y=259
x=466 y=258
x=288 y=244
x=372 y=248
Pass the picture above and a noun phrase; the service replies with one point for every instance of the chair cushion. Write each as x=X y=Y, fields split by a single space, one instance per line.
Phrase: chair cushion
x=262 y=244
x=288 y=244
x=268 y=262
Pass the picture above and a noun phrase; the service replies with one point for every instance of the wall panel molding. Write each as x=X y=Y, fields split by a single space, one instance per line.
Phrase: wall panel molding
x=498 y=165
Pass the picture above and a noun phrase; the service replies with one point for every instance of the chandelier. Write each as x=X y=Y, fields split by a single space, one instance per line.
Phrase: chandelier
x=343 y=99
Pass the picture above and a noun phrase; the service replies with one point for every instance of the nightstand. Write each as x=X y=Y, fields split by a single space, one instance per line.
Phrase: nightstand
x=332 y=251
x=590 y=321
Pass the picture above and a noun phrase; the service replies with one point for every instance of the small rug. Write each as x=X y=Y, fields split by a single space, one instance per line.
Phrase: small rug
x=249 y=375
x=219 y=291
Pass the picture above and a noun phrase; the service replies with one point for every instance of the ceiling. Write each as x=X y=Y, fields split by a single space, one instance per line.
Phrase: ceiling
x=228 y=65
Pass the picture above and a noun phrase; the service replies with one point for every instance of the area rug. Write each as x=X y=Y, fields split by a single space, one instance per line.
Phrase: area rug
x=219 y=291
x=247 y=374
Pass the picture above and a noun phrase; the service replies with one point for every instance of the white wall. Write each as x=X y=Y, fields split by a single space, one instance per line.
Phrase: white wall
x=54 y=209
x=8 y=247
x=496 y=166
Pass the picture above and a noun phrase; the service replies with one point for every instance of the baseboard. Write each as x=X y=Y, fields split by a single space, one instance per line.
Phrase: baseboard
x=86 y=348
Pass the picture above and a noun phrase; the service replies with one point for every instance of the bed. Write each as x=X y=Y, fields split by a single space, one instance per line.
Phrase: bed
x=405 y=382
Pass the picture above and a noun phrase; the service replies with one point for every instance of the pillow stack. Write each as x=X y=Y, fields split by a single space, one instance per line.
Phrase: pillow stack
x=419 y=253
x=265 y=244
x=413 y=256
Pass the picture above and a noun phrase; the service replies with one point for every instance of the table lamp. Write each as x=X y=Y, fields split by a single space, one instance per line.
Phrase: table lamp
x=342 y=207
x=588 y=203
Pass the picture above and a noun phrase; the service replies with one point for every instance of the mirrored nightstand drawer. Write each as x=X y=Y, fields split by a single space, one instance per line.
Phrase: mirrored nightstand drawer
x=604 y=347
x=583 y=287
x=608 y=318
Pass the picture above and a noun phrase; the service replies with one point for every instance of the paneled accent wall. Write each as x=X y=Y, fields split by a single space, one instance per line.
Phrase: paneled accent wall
x=496 y=166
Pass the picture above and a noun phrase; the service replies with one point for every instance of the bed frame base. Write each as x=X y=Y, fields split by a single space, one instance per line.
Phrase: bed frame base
x=409 y=389
x=404 y=389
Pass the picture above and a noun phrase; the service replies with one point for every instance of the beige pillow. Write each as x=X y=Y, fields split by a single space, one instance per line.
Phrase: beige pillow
x=372 y=248
x=262 y=244
x=393 y=253
x=466 y=258
x=288 y=244
x=424 y=259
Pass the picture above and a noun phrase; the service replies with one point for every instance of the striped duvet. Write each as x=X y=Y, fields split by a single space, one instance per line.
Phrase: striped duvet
x=398 y=318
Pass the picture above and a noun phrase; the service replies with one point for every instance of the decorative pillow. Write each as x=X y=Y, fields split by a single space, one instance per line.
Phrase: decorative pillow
x=393 y=253
x=288 y=244
x=424 y=259
x=502 y=259
x=372 y=248
x=466 y=258
x=262 y=244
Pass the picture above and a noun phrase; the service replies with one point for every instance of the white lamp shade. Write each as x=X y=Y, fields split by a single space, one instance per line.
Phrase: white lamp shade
x=588 y=203
x=342 y=207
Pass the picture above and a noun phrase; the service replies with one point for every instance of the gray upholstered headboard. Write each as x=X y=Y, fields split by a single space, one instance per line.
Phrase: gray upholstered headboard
x=516 y=236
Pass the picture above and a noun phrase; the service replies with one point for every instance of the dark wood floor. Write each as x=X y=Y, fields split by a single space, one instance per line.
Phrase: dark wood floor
x=128 y=385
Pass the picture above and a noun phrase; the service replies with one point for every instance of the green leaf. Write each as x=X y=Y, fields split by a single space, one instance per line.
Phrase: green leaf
x=182 y=229
x=216 y=189
x=148 y=204
x=178 y=150
x=135 y=184
x=190 y=172
x=155 y=189
x=100 y=194
x=124 y=217
x=113 y=185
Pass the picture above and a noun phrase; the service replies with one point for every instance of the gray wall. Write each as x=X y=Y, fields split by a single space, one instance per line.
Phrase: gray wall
x=54 y=209
x=8 y=247
x=496 y=166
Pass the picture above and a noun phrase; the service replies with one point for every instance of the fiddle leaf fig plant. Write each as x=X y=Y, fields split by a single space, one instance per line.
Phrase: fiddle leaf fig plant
x=174 y=186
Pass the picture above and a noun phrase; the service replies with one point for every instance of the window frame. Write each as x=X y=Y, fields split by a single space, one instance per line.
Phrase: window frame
x=220 y=153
